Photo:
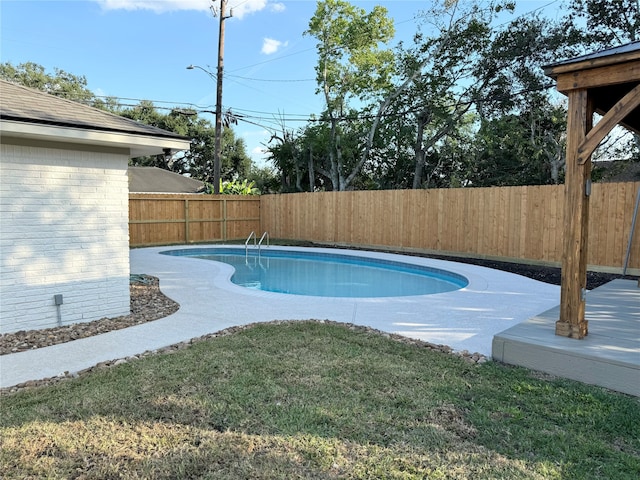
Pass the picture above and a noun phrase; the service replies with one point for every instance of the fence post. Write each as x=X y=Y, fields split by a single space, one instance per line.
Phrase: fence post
x=186 y=221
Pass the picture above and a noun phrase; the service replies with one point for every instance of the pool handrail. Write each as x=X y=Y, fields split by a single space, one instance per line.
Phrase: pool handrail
x=246 y=244
x=265 y=234
x=255 y=242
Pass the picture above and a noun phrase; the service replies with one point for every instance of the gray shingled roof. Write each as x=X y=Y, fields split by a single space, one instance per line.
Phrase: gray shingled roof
x=27 y=105
x=157 y=180
x=626 y=48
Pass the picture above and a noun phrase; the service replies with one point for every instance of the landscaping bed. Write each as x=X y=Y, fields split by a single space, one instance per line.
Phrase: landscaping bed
x=147 y=303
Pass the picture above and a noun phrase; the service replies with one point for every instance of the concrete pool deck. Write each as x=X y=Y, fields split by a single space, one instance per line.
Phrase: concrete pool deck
x=465 y=319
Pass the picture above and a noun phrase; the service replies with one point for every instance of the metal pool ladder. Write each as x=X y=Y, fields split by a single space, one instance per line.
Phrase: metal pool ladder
x=255 y=242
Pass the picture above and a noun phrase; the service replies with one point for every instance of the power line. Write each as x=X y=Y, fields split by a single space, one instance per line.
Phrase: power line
x=274 y=59
x=281 y=117
x=271 y=79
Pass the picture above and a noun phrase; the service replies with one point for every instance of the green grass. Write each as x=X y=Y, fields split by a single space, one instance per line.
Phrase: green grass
x=317 y=400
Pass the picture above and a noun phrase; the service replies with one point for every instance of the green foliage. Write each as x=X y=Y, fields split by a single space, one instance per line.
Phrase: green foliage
x=468 y=102
x=59 y=83
x=600 y=24
x=234 y=187
x=351 y=66
x=198 y=161
x=350 y=60
x=522 y=149
x=265 y=179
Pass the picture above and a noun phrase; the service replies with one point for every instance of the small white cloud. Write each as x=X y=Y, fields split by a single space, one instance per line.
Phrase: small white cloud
x=277 y=7
x=248 y=7
x=270 y=45
x=251 y=6
x=157 y=6
x=160 y=6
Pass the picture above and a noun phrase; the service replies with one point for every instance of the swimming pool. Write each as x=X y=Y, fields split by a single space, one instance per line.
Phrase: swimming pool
x=327 y=275
x=464 y=319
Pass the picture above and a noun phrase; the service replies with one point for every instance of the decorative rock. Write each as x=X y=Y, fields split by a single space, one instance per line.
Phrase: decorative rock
x=147 y=303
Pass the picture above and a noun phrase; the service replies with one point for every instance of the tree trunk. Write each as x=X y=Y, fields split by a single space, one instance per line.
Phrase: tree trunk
x=298 y=176
x=312 y=179
x=333 y=165
x=419 y=149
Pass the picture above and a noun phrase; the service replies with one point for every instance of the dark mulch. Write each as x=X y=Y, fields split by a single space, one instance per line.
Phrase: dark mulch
x=541 y=273
x=538 y=272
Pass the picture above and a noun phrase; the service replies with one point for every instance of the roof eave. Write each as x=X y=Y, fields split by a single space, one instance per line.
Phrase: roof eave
x=138 y=145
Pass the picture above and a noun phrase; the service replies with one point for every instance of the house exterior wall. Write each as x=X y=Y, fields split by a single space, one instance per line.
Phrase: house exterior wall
x=64 y=231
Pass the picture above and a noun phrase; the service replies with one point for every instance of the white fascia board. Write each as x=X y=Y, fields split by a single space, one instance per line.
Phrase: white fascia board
x=138 y=145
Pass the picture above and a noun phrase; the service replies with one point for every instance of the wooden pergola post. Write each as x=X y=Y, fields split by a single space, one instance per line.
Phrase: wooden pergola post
x=572 y=321
x=607 y=82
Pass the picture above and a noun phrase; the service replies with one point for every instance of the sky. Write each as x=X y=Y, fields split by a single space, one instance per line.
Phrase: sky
x=139 y=50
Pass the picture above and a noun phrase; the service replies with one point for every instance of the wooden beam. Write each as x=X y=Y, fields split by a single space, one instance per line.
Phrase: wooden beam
x=613 y=117
x=572 y=322
x=600 y=77
x=554 y=71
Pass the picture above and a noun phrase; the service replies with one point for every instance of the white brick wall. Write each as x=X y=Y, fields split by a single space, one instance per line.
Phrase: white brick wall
x=63 y=230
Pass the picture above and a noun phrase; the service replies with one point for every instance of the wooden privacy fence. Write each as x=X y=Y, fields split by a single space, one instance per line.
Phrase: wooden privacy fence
x=513 y=223
x=163 y=219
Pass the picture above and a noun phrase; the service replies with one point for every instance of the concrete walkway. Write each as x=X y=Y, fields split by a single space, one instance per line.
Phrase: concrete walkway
x=466 y=319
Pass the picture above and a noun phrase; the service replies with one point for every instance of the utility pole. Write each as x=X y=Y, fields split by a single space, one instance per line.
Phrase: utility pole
x=218 y=130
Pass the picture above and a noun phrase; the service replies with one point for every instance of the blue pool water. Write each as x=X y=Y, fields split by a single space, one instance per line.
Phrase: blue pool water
x=327 y=275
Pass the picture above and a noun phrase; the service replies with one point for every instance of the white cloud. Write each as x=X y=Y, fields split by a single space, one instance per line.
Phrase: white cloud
x=277 y=7
x=270 y=45
x=160 y=6
x=247 y=7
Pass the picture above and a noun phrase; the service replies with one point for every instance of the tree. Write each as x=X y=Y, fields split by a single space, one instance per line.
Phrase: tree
x=602 y=24
x=264 y=178
x=60 y=83
x=284 y=153
x=198 y=161
x=444 y=79
x=595 y=25
x=177 y=121
x=351 y=66
x=462 y=89
x=518 y=106
x=235 y=164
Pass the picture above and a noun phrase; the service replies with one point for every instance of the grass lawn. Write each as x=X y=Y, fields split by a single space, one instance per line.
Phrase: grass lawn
x=317 y=400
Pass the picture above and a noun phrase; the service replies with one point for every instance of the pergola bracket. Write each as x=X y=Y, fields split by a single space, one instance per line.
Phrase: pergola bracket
x=614 y=116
